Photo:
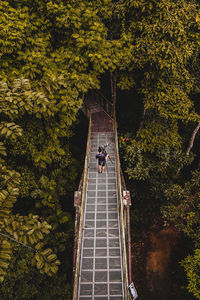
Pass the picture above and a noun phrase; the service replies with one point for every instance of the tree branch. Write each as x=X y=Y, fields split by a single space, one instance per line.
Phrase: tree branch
x=10 y=238
x=143 y=116
x=191 y=143
x=192 y=139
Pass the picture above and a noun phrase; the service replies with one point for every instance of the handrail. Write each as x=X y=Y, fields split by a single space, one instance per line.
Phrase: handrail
x=110 y=102
x=76 y=275
x=121 y=212
x=77 y=205
x=107 y=105
x=127 y=205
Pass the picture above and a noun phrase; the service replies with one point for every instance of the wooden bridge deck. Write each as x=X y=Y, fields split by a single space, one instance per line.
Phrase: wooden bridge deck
x=101 y=264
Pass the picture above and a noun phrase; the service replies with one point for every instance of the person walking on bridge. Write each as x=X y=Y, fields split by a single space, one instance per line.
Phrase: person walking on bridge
x=101 y=156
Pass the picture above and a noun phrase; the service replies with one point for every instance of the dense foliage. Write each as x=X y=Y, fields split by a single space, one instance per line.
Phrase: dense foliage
x=161 y=152
x=51 y=54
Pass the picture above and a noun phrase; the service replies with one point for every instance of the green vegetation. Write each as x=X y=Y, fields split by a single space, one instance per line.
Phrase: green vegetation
x=52 y=53
x=161 y=154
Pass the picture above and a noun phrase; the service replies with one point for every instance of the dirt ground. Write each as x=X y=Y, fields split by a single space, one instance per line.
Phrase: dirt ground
x=151 y=264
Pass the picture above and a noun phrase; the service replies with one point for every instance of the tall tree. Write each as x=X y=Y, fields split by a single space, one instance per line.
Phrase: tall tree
x=163 y=39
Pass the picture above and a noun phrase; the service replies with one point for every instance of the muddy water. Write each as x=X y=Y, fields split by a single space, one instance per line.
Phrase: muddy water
x=152 y=265
x=158 y=262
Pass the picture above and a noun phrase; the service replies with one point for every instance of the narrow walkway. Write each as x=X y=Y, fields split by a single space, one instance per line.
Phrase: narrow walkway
x=101 y=269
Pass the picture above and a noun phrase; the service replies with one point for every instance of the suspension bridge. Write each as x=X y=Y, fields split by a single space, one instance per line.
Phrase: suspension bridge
x=102 y=246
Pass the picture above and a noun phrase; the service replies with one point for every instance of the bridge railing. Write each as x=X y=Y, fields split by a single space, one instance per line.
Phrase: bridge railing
x=96 y=98
x=105 y=104
x=123 y=218
x=79 y=203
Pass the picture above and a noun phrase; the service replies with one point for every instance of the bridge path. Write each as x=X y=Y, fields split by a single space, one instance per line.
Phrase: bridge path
x=101 y=266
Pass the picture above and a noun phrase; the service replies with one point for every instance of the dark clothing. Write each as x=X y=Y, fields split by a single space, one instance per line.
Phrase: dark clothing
x=101 y=159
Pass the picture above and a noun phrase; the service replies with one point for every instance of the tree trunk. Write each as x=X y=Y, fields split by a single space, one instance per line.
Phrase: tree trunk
x=143 y=116
x=192 y=139
x=191 y=143
x=111 y=85
x=113 y=90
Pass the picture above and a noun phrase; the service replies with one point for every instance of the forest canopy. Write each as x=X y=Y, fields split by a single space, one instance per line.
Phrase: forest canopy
x=51 y=54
